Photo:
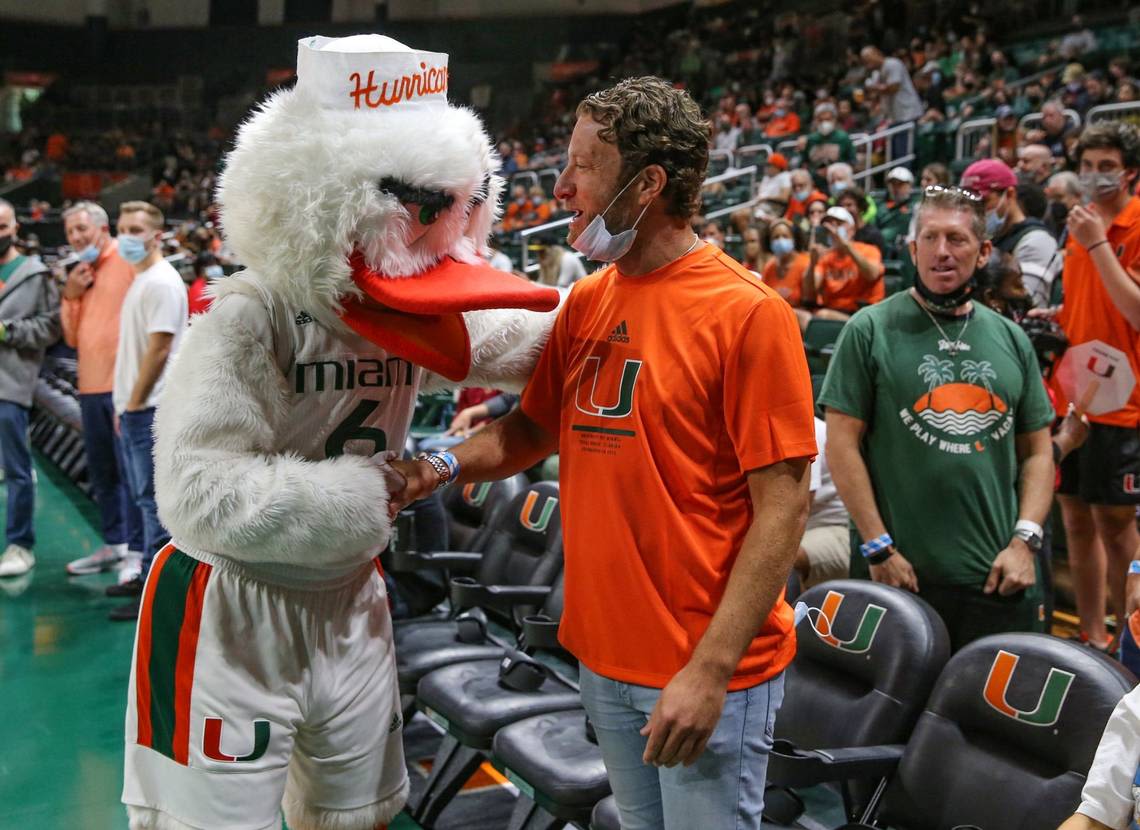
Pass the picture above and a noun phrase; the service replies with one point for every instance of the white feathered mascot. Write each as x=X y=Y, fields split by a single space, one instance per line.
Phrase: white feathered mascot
x=263 y=675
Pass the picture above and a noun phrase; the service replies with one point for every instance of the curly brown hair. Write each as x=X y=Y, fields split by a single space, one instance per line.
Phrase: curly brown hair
x=653 y=123
x=1112 y=135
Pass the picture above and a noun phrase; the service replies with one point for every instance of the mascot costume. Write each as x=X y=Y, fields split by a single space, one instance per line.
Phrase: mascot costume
x=263 y=676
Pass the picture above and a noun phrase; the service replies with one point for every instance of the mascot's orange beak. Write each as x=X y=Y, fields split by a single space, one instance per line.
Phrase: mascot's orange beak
x=422 y=317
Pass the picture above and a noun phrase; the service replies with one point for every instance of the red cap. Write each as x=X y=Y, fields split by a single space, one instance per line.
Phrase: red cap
x=988 y=175
x=778 y=160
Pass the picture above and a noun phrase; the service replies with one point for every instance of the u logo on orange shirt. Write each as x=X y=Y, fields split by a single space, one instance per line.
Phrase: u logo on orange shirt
x=585 y=401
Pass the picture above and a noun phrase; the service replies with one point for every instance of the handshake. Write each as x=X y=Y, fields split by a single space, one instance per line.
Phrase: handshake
x=408 y=481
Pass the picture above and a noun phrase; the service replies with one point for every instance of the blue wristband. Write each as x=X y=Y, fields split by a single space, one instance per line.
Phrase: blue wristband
x=876 y=545
x=1134 y=567
x=452 y=463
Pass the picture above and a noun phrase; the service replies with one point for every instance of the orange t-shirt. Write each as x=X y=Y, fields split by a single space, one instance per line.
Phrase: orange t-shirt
x=843 y=287
x=1090 y=314
x=791 y=285
x=664 y=390
x=91 y=323
x=789 y=124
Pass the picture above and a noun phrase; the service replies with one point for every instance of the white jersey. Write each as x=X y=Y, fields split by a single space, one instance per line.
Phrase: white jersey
x=271 y=433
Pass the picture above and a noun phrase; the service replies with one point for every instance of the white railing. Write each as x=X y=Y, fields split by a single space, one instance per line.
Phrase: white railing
x=718 y=155
x=1033 y=119
x=524 y=235
x=1113 y=112
x=866 y=143
x=732 y=175
x=970 y=134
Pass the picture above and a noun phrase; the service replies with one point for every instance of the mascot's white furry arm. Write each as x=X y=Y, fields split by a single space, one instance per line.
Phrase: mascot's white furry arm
x=263 y=673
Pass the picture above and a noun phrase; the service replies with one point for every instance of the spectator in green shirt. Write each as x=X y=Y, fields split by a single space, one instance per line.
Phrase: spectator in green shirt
x=827 y=143
x=895 y=217
x=938 y=436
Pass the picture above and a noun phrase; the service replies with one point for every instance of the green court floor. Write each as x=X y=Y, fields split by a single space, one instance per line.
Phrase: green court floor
x=63 y=678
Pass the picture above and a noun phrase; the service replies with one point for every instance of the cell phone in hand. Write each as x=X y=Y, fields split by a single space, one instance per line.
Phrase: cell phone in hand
x=822 y=236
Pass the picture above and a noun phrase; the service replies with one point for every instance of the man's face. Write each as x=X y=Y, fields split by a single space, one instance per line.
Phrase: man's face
x=996 y=199
x=713 y=234
x=590 y=180
x=751 y=242
x=137 y=223
x=801 y=181
x=8 y=224
x=1053 y=119
x=1094 y=87
x=1035 y=162
x=81 y=232
x=900 y=191
x=1107 y=161
x=946 y=250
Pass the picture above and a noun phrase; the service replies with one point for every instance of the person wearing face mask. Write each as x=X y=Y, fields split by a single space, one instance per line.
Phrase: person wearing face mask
x=92 y=297
x=1064 y=193
x=784 y=272
x=938 y=436
x=1099 y=483
x=151 y=325
x=514 y=217
x=784 y=121
x=842 y=275
x=803 y=194
x=895 y=218
x=666 y=468
x=29 y=323
x=840 y=177
x=827 y=143
x=1011 y=231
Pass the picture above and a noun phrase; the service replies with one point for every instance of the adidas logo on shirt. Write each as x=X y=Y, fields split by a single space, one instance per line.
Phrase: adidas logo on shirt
x=303 y=317
x=620 y=334
x=395 y=723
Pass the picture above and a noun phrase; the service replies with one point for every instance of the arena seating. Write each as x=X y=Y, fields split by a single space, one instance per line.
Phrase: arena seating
x=473 y=510
x=55 y=425
x=866 y=648
x=473 y=700
x=523 y=555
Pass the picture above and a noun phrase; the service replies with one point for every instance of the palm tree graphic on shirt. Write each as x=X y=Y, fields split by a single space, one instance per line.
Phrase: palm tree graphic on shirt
x=962 y=409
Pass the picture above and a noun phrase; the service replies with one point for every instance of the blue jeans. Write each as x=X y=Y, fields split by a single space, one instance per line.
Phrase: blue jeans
x=107 y=470
x=17 y=454
x=138 y=449
x=724 y=789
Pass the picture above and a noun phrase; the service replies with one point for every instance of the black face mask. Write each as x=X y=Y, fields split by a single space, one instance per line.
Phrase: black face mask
x=5 y=244
x=951 y=299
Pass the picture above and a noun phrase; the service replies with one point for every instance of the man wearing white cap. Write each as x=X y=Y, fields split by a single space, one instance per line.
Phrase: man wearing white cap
x=895 y=218
x=843 y=275
x=263 y=674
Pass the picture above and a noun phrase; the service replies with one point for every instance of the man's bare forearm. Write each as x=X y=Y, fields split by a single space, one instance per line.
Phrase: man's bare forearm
x=850 y=475
x=504 y=447
x=150 y=369
x=780 y=500
x=1036 y=485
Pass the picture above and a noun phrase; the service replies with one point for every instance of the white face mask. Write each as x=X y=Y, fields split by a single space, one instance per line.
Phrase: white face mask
x=598 y=244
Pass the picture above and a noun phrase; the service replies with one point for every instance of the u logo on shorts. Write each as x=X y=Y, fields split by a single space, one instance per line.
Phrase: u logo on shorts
x=212 y=741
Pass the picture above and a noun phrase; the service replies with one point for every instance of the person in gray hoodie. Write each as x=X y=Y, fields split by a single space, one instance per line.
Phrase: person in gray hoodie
x=29 y=323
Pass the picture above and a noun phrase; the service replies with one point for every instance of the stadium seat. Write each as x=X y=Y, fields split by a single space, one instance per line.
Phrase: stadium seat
x=1007 y=737
x=473 y=700
x=523 y=552
x=819 y=342
x=865 y=648
x=555 y=762
x=473 y=510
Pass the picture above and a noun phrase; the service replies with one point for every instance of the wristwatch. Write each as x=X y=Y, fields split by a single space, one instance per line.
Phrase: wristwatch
x=445 y=464
x=1032 y=540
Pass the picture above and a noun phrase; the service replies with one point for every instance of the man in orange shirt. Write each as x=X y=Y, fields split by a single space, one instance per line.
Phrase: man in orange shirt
x=843 y=275
x=784 y=121
x=1100 y=483
x=92 y=297
x=675 y=388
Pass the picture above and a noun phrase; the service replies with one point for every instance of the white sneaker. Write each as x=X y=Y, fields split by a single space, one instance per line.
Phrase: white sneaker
x=16 y=561
x=104 y=559
x=131 y=567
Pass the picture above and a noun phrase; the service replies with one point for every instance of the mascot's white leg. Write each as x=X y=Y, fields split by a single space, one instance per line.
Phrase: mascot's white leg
x=303 y=816
x=144 y=818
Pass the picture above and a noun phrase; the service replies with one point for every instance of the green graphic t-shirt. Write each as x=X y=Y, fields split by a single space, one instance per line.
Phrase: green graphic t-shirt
x=940 y=428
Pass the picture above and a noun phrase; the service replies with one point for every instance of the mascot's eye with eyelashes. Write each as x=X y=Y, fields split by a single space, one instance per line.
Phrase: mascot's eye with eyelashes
x=431 y=202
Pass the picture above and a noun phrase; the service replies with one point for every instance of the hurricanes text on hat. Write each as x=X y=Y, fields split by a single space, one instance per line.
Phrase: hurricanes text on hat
x=988 y=175
x=370 y=73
